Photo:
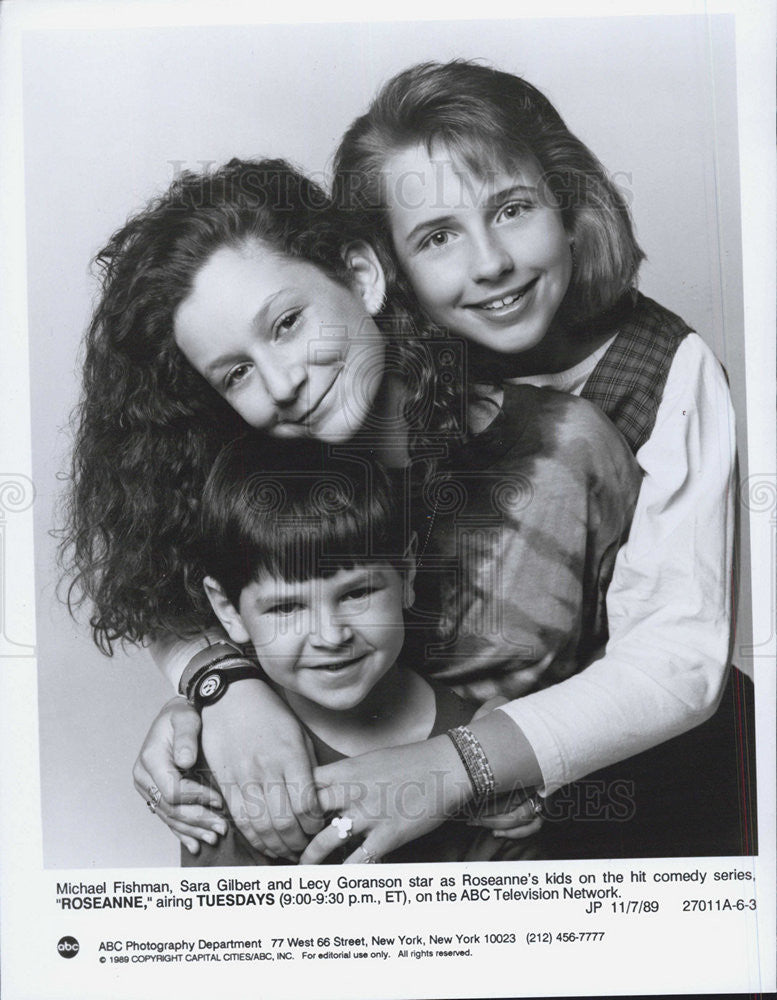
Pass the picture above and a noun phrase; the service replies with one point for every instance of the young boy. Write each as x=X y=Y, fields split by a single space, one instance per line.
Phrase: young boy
x=312 y=568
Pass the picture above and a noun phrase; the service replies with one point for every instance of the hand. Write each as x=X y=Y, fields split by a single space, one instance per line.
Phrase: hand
x=391 y=797
x=262 y=760
x=188 y=807
x=509 y=821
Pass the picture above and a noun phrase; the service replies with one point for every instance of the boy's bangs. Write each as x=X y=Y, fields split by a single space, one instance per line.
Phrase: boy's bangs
x=295 y=549
x=298 y=526
x=295 y=514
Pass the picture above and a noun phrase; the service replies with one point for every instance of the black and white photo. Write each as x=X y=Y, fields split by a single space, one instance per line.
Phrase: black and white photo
x=395 y=496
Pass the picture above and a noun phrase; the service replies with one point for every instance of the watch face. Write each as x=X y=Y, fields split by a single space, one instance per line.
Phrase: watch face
x=210 y=686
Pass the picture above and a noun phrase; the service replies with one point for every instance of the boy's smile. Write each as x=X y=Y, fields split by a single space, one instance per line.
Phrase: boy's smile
x=328 y=640
x=488 y=257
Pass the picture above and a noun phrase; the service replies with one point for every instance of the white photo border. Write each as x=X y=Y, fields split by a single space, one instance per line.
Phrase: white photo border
x=27 y=913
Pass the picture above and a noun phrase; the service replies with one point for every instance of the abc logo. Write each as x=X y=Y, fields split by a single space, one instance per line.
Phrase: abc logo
x=68 y=947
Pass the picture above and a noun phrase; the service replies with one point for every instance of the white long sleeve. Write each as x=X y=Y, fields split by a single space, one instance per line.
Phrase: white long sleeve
x=669 y=603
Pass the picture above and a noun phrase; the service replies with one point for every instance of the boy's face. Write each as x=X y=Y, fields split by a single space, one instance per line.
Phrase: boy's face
x=488 y=257
x=327 y=640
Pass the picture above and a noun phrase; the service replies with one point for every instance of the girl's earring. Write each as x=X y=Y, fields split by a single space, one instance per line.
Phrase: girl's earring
x=572 y=253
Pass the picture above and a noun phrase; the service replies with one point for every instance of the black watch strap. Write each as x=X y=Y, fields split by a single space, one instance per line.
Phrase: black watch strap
x=213 y=683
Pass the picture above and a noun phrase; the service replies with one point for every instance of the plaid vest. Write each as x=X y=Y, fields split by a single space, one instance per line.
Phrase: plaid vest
x=628 y=382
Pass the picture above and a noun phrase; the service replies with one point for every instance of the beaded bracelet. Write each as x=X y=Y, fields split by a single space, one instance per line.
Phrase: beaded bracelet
x=474 y=759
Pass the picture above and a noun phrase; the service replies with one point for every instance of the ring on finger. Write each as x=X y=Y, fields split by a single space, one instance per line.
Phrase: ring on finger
x=369 y=859
x=344 y=826
x=151 y=806
x=154 y=794
x=536 y=804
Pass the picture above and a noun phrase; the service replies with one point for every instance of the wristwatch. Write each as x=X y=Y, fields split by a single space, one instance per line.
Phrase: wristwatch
x=212 y=684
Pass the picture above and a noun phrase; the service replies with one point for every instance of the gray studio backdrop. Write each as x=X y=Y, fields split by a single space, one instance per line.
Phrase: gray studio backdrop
x=109 y=116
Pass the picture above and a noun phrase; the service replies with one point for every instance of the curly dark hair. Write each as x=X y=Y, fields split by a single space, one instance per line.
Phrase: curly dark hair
x=148 y=427
x=488 y=119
